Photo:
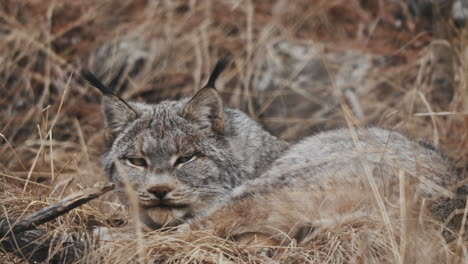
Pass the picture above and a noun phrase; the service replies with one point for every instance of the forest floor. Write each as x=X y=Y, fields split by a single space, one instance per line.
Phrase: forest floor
x=294 y=66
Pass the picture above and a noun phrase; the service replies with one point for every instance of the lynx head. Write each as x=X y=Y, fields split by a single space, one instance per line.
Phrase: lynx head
x=174 y=155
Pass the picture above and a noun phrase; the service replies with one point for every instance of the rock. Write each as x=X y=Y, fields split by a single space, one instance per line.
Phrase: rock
x=460 y=12
x=299 y=85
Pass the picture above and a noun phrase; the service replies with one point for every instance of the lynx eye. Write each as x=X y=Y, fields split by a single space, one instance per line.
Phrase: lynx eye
x=185 y=159
x=136 y=162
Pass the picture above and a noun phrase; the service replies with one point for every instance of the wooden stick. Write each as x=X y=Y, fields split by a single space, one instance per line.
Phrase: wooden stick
x=35 y=245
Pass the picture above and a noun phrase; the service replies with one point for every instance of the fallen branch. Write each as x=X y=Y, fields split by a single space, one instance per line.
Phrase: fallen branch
x=18 y=236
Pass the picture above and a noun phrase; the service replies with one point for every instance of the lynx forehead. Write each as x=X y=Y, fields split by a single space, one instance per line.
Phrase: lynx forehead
x=181 y=157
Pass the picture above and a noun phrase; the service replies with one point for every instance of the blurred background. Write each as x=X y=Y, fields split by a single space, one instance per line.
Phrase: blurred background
x=398 y=64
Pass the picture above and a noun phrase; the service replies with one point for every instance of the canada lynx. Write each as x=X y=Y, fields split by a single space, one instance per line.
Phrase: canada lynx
x=185 y=159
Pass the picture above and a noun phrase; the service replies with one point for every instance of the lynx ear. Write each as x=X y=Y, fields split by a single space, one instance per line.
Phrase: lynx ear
x=206 y=106
x=117 y=112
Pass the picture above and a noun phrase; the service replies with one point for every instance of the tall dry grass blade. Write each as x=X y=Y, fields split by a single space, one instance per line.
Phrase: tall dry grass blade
x=134 y=207
x=52 y=157
x=461 y=245
x=403 y=216
x=14 y=152
x=28 y=178
x=83 y=144
x=31 y=169
x=67 y=86
x=375 y=190
x=439 y=114
x=250 y=11
x=434 y=123
x=24 y=180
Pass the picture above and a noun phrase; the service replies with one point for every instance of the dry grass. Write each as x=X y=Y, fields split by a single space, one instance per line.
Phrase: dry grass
x=51 y=129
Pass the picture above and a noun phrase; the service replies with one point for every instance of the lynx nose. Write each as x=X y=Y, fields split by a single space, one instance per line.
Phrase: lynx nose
x=160 y=191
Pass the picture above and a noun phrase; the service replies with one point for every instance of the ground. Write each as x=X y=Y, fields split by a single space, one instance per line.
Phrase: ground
x=295 y=66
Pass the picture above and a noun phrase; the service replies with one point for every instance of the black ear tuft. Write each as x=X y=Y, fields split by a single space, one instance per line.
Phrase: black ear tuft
x=105 y=89
x=94 y=81
x=206 y=106
x=218 y=69
x=117 y=113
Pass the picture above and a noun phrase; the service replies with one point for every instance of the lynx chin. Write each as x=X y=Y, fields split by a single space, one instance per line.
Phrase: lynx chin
x=195 y=161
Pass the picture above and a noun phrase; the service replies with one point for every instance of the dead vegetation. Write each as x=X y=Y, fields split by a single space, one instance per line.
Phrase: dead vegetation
x=51 y=128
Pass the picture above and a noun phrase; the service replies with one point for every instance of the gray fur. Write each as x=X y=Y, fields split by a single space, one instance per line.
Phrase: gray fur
x=332 y=159
x=226 y=156
x=161 y=132
x=316 y=160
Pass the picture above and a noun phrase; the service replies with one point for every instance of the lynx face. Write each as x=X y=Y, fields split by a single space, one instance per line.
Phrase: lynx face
x=174 y=155
x=174 y=164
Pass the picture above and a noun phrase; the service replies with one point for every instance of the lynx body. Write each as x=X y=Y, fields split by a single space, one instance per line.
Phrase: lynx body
x=192 y=159
x=326 y=180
